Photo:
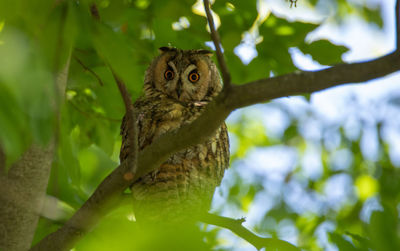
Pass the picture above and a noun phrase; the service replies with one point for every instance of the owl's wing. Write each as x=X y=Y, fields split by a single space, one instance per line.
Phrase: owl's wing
x=124 y=142
x=125 y=130
x=144 y=127
x=224 y=139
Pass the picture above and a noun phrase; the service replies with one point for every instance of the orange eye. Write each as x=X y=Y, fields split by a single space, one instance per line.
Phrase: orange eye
x=194 y=77
x=169 y=74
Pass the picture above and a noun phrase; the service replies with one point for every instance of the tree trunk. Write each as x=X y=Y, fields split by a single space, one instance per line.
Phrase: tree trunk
x=20 y=206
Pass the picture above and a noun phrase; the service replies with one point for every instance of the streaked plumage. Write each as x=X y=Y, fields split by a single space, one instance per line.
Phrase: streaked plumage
x=178 y=85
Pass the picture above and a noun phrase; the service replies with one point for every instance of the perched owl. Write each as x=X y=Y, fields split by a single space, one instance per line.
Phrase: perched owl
x=178 y=85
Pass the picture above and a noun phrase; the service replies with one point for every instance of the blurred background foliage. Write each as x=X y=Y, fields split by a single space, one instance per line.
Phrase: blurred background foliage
x=296 y=175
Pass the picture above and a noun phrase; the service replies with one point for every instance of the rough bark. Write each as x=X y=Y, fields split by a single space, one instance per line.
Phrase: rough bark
x=27 y=182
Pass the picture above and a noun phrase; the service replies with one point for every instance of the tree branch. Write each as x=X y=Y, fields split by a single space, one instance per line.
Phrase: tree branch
x=235 y=225
x=199 y=130
x=215 y=113
x=131 y=119
x=131 y=116
x=89 y=70
x=311 y=81
x=226 y=77
x=107 y=194
x=93 y=115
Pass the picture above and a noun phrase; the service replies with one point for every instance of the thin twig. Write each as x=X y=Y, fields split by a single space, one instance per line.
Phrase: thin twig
x=235 y=225
x=397 y=25
x=130 y=114
x=150 y=158
x=131 y=117
x=226 y=77
x=88 y=114
x=89 y=70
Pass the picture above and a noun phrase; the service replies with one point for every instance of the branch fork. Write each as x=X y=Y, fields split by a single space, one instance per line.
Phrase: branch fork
x=232 y=97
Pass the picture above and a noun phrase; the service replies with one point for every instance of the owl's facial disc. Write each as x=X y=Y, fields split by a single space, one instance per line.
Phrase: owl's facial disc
x=188 y=76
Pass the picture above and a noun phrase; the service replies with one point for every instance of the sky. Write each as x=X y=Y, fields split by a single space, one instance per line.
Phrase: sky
x=365 y=42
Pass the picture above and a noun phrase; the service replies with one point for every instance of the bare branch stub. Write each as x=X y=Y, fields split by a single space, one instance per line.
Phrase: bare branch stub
x=226 y=77
x=94 y=11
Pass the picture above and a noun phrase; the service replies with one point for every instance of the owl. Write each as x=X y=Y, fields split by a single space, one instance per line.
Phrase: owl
x=178 y=85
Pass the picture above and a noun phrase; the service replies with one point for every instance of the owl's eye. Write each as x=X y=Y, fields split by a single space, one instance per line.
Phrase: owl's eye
x=194 y=77
x=169 y=74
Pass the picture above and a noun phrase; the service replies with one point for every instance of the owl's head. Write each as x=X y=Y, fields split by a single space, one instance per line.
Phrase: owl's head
x=184 y=75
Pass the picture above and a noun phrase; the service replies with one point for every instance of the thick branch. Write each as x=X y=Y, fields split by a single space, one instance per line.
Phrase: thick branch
x=226 y=77
x=311 y=81
x=106 y=195
x=109 y=191
x=215 y=113
x=25 y=182
x=235 y=225
x=239 y=96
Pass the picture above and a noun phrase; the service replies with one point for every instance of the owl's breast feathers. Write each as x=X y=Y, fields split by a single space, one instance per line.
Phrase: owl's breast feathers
x=187 y=180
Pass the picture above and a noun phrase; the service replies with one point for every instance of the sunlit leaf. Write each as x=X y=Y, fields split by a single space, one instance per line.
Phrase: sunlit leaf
x=366 y=186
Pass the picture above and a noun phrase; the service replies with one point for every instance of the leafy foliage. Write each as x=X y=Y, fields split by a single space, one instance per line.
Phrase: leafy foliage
x=290 y=203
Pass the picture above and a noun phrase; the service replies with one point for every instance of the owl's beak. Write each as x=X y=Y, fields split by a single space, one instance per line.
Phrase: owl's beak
x=179 y=89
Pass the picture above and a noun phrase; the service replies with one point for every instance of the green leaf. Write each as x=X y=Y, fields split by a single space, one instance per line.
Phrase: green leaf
x=28 y=88
x=236 y=17
x=364 y=243
x=13 y=125
x=115 y=51
x=278 y=36
x=342 y=243
x=95 y=166
x=324 y=52
x=163 y=31
x=383 y=229
x=279 y=245
x=373 y=15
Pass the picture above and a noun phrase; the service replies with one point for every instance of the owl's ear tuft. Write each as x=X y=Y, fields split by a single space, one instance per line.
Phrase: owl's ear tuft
x=166 y=49
x=205 y=52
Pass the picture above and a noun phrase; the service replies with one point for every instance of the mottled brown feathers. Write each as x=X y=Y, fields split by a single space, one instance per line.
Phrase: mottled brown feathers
x=185 y=183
